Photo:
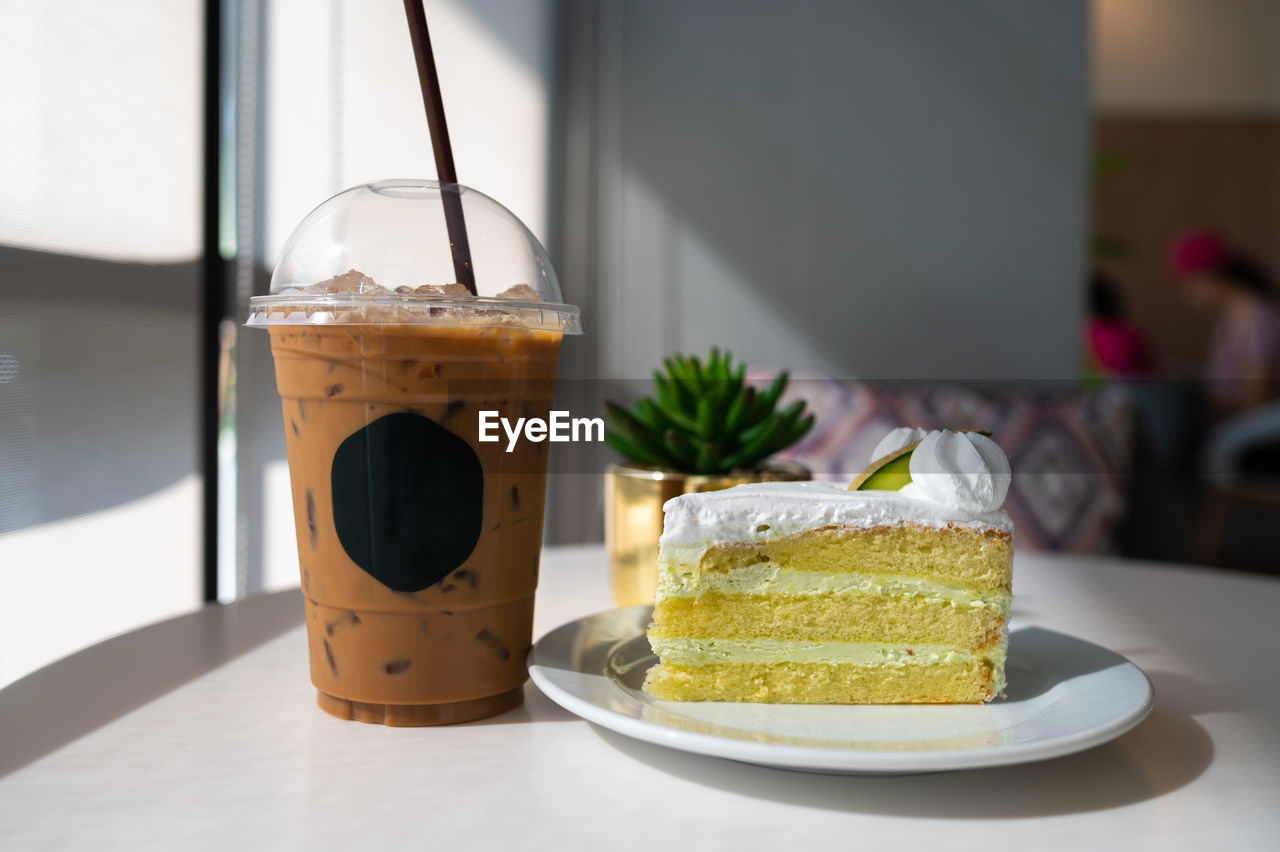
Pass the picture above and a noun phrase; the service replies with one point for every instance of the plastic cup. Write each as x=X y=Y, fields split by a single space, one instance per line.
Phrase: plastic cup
x=418 y=543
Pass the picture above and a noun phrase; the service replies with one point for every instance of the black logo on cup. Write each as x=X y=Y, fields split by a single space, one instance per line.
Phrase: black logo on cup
x=408 y=500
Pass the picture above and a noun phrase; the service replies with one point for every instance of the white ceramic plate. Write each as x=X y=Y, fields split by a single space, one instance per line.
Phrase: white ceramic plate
x=1065 y=695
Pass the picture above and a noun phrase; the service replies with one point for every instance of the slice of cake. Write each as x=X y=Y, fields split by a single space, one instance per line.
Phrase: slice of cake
x=811 y=593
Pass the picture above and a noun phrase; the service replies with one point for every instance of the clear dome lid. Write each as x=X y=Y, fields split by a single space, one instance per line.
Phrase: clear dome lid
x=381 y=253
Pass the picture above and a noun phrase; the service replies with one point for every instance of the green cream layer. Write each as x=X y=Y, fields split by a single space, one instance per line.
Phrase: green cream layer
x=708 y=652
x=768 y=578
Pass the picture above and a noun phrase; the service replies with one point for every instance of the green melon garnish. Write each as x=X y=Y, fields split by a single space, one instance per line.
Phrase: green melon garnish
x=889 y=473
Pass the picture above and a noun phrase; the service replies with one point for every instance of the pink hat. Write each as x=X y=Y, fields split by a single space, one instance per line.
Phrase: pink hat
x=1196 y=251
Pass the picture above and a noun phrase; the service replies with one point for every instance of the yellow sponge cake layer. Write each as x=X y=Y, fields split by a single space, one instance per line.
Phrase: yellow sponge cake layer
x=815 y=683
x=856 y=617
x=952 y=555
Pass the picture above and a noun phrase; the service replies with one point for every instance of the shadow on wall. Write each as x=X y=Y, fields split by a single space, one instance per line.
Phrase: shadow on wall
x=510 y=29
x=102 y=407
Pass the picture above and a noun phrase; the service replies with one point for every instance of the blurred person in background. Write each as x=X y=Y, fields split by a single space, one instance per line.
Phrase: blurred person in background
x=1115 y=347
x=1244 y=354
x=1243 y=370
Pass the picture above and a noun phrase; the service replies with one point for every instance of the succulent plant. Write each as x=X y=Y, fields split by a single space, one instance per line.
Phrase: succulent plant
x=704 y=419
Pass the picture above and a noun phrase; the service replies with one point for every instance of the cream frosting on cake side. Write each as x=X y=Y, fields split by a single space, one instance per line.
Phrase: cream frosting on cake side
x=701 y=652
x=771 y=510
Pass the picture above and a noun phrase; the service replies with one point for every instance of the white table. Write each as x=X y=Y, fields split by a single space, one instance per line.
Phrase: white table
x=202 y=732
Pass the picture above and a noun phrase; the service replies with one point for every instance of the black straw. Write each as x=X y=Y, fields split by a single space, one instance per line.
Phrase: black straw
x=445 y=172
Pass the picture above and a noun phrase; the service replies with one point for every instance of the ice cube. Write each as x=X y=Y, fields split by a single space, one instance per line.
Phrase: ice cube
x=521 y=291
x=443 y=290
x=351 y=281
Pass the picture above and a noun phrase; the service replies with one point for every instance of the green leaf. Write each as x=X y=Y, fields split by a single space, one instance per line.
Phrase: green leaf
x=640 y=414
x=617 y=416
x=753 y=449
x=708 y=458
x=686 y=383
x=632 y=452
x=625 y=425
x=650 y=442
x=656 y=419
x=792 y=411
x=668 y=395
x=661 y=384
x=681 y=449
x=696 y=377
x=674 y=370
x=774 y=393
x=746 y=436
x=728 y=385
x=766 y=401
x=788 y=436
x=706 y=418
x=679 y=418
x=733 y=417
x=737 y=378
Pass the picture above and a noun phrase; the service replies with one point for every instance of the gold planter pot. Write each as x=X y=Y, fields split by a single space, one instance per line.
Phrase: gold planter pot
x=633 y=498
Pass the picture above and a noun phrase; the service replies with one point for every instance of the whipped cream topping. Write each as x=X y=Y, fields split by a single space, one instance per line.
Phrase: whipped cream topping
x=896 y=440
x=958 y=479
x=768 y=510
x=962 y=470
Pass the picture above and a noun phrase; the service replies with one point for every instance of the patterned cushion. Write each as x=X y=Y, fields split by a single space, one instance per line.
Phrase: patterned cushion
x=1070 y=449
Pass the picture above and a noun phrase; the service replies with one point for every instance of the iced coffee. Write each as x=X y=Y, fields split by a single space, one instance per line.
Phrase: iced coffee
x=418 y=543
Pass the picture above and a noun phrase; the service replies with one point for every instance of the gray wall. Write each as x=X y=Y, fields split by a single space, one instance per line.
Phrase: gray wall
x=858 y=189
x=867 y=189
